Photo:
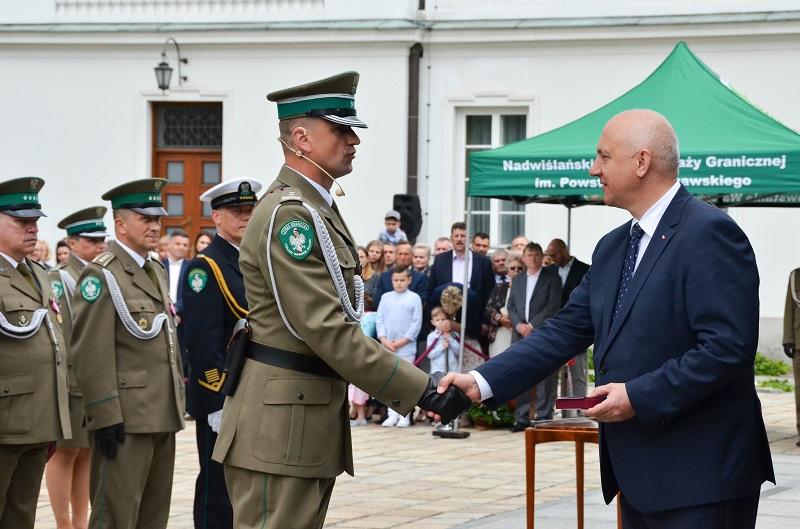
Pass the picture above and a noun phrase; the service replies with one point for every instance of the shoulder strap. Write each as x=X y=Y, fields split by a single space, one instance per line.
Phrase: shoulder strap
x=103 y=259
x=238 y=311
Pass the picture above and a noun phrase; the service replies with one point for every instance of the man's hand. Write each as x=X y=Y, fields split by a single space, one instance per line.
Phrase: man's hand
x=524 y=329
x=109 y=438
x=464 y=382
x=504 y=321
x=387 y=344
x=788 y=349
x=446 y=404
x=615 y=408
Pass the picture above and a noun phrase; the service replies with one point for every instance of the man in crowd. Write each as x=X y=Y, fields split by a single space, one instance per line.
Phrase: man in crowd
x=67 y=471
x=518 y=244
x=389 y=254
x=175 y=264
x=441 y=245
x=671 y=305
x=571 y=271
x=213 y=301
x=535 y=297
x=129 y=366
x=453 y=265
x=480 y=243
x=791 y=335
x=499 y=259
x=422 y=258
x=285 y=432
x=33 y=363
x=419 y=281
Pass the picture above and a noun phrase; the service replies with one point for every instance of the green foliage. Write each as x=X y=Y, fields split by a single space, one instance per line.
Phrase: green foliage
x=502 y=416
x=777 y=383
x=768 y=367
x=590 y=355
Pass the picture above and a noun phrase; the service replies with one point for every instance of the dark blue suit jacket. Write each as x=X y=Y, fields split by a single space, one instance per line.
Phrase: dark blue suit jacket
x=481 y=281
x=683 y=342
x=208 y=323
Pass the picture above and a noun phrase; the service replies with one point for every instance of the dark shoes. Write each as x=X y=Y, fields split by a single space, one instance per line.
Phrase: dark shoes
x=520 y=425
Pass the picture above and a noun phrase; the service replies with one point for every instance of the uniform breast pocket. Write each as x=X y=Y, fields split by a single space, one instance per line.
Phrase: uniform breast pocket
x=347 y=263
x=142 y=311
x=297 y=419
x=19 y=311
x=16 y=401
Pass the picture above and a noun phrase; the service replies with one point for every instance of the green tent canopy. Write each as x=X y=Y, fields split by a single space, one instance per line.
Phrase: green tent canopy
x=732 y=153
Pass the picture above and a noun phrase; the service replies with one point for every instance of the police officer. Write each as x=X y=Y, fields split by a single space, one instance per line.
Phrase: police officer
x=34 y=408
x=213 y=301
x=67 y=471
x=129 y=367
x=285 y=432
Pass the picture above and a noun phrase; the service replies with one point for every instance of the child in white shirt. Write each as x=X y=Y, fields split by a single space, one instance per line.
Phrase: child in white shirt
x=442 y=345
x=398 y=323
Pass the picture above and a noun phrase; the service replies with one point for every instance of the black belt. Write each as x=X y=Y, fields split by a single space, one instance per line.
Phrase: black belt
x=289 y=360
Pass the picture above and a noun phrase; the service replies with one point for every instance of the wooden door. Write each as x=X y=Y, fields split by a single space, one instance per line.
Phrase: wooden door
x=187 y=152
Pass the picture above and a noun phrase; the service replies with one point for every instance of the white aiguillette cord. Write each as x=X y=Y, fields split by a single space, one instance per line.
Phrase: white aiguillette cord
x=298 y=152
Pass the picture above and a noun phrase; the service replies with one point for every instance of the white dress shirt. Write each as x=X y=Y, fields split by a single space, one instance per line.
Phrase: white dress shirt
x=649 y=223
x=136 y=257
x=174 y=278
x=324 y=193
x=563 y=271
x=458 y=266
x=530 y=285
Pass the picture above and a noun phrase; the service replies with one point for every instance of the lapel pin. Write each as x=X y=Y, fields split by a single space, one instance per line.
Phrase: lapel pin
x=663 y=237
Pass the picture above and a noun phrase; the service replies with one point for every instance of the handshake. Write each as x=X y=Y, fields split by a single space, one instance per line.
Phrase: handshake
x=447 y=405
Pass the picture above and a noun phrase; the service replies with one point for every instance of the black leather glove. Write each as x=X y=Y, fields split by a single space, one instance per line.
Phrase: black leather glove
x=788 y=349
x=448 y=405
x=107 y=439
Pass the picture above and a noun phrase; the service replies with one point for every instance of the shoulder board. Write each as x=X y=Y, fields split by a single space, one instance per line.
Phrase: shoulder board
x=103 y=259
x=291 y=194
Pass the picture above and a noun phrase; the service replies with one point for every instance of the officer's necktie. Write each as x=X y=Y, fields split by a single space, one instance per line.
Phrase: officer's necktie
x=23 y=269
x=151 y=272
x=628 y=266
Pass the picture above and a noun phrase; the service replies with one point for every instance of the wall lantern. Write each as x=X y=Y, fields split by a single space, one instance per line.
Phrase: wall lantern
x=164 y=70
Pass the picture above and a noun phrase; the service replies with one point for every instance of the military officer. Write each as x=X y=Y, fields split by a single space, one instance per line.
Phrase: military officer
x=791 y=335
x=213 y=301
x=285 y=432
x=128 y=366
x=67 y=471
x=34 y=407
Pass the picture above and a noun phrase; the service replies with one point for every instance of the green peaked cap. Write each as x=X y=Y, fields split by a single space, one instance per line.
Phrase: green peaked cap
x=332 y=99
x=87 y=222
x=142 y=196
x=20 y=197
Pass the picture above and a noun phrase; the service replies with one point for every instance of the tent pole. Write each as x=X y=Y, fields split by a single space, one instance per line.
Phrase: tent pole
x=569 y=226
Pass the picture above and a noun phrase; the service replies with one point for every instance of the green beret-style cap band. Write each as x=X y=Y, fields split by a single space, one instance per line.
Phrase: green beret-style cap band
x=19 y=199
x=85 y=227
x=136 y=200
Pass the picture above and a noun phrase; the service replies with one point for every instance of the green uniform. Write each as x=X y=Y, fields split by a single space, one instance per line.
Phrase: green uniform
x=130 y=380
x=34 y=407
x=791 y=333
x=72 y=267
x=285 y=434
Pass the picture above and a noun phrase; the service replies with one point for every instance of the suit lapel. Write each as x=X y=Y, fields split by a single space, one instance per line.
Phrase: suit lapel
x=136 y=272
x=658 y=243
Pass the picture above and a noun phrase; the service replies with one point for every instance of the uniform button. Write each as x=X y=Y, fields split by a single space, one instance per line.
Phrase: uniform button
x=603 y=370
x=58 y=361
x=123 y=382
x=6 y=390
x=300 y=396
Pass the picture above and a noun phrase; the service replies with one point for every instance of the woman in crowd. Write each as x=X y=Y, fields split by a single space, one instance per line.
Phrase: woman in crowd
x=203 y=239
x=496 y=312
x=373 y=269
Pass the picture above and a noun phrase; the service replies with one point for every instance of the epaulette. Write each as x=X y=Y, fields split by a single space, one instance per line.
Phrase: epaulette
x=103 y=259
x=291 y=193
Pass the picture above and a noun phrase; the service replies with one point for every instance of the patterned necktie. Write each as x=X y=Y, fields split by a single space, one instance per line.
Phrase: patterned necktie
x=23 y=269
x=628 y=266
x=151 y=272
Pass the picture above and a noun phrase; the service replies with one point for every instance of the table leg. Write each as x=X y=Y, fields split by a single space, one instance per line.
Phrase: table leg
x=579 y=480
x=530 y=473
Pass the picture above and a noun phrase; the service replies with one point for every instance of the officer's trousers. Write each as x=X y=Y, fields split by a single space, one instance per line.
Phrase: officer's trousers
x=212 y=507
x=271 y=501
x=133 y=490
x=21 y=469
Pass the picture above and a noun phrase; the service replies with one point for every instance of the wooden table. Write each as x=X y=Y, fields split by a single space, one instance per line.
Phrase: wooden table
x=579 y=431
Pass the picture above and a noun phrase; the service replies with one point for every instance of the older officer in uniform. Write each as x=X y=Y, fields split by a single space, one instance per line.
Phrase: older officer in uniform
x=213 y=301
x=791 y=335
x=34 y=408
x=285 y=432
x=128 y=366
x=67 y=472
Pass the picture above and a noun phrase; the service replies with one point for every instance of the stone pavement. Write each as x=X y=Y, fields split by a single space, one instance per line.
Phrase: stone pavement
x=408 y=479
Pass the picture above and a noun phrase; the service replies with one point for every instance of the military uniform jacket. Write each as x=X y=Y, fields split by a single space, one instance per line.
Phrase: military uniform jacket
x=284 y=421
x=791 y=314
x=123 y=378
x=73 y=267
x=34 y=401
x=208 y=320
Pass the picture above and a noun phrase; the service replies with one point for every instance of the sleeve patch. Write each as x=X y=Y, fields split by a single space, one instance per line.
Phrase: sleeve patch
x=197 y=279
x=297 y=237
x=91 y=287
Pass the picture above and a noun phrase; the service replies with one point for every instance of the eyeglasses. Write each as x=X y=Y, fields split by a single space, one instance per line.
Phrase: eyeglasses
x=515 y=268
